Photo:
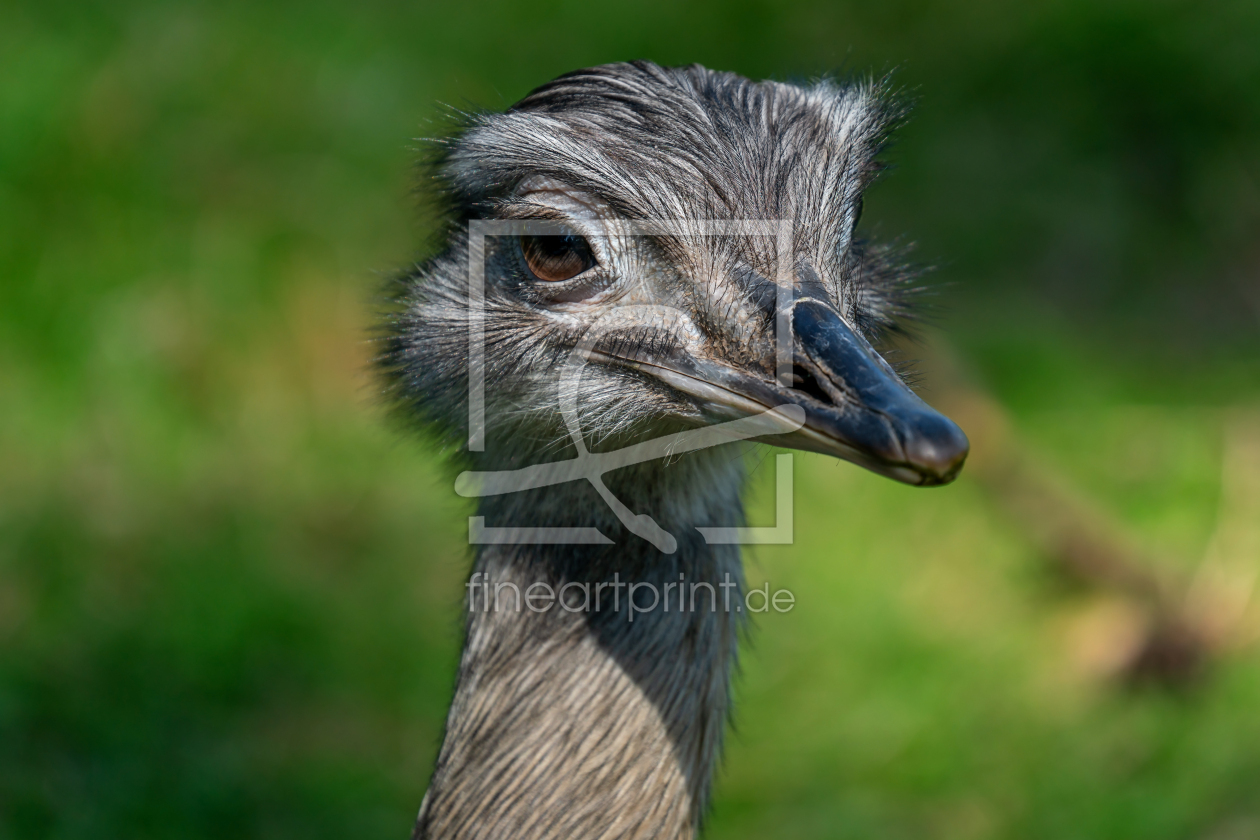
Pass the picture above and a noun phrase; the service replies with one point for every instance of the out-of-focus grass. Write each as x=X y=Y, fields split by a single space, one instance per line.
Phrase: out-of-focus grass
x=228 y=587
x=929 y=682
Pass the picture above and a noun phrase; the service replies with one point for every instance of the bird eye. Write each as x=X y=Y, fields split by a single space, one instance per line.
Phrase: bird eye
x=553 y=259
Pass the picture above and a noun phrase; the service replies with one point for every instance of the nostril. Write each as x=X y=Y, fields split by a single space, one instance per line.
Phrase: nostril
x=804 y=380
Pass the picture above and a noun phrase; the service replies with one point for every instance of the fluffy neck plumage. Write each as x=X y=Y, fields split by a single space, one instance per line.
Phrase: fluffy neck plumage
x=588 y=719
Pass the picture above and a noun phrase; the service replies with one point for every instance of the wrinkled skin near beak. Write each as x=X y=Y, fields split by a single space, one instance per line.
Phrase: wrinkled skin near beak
x=856 y=407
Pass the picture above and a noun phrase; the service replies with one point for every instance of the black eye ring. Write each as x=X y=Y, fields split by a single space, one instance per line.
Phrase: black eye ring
x=556 y=258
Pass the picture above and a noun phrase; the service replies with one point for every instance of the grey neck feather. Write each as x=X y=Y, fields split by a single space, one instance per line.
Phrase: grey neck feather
x=577 y=721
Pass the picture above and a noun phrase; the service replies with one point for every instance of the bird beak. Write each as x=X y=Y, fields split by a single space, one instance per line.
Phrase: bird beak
x=856 y=407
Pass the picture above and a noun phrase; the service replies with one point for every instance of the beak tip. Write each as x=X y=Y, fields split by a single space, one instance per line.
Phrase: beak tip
x=937 y=450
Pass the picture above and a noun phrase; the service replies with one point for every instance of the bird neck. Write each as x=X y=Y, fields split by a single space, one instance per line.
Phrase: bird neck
x=594 y=684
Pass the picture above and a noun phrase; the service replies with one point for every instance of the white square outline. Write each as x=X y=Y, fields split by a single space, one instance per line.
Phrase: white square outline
x=781 y=532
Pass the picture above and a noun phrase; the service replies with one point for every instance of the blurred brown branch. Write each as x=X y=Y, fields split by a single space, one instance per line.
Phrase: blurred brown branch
x=1181 y=626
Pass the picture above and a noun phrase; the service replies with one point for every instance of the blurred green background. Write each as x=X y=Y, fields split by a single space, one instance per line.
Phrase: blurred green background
x=229 y=586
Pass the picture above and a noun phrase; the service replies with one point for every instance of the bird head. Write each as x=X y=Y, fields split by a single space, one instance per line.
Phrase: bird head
x=678 y=248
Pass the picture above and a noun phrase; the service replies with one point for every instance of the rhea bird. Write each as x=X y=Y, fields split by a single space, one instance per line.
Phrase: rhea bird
x=589 y=718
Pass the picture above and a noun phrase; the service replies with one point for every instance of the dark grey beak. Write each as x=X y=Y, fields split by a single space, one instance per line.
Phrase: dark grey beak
x=858 y=408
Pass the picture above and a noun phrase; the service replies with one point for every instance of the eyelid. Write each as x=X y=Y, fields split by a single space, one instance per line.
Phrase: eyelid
x=527 y=208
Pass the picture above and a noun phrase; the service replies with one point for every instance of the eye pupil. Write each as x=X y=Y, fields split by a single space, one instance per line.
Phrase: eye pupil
x=554 y=259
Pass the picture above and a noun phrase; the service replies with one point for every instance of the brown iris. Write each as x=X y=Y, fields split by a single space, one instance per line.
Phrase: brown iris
x=553 y=259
